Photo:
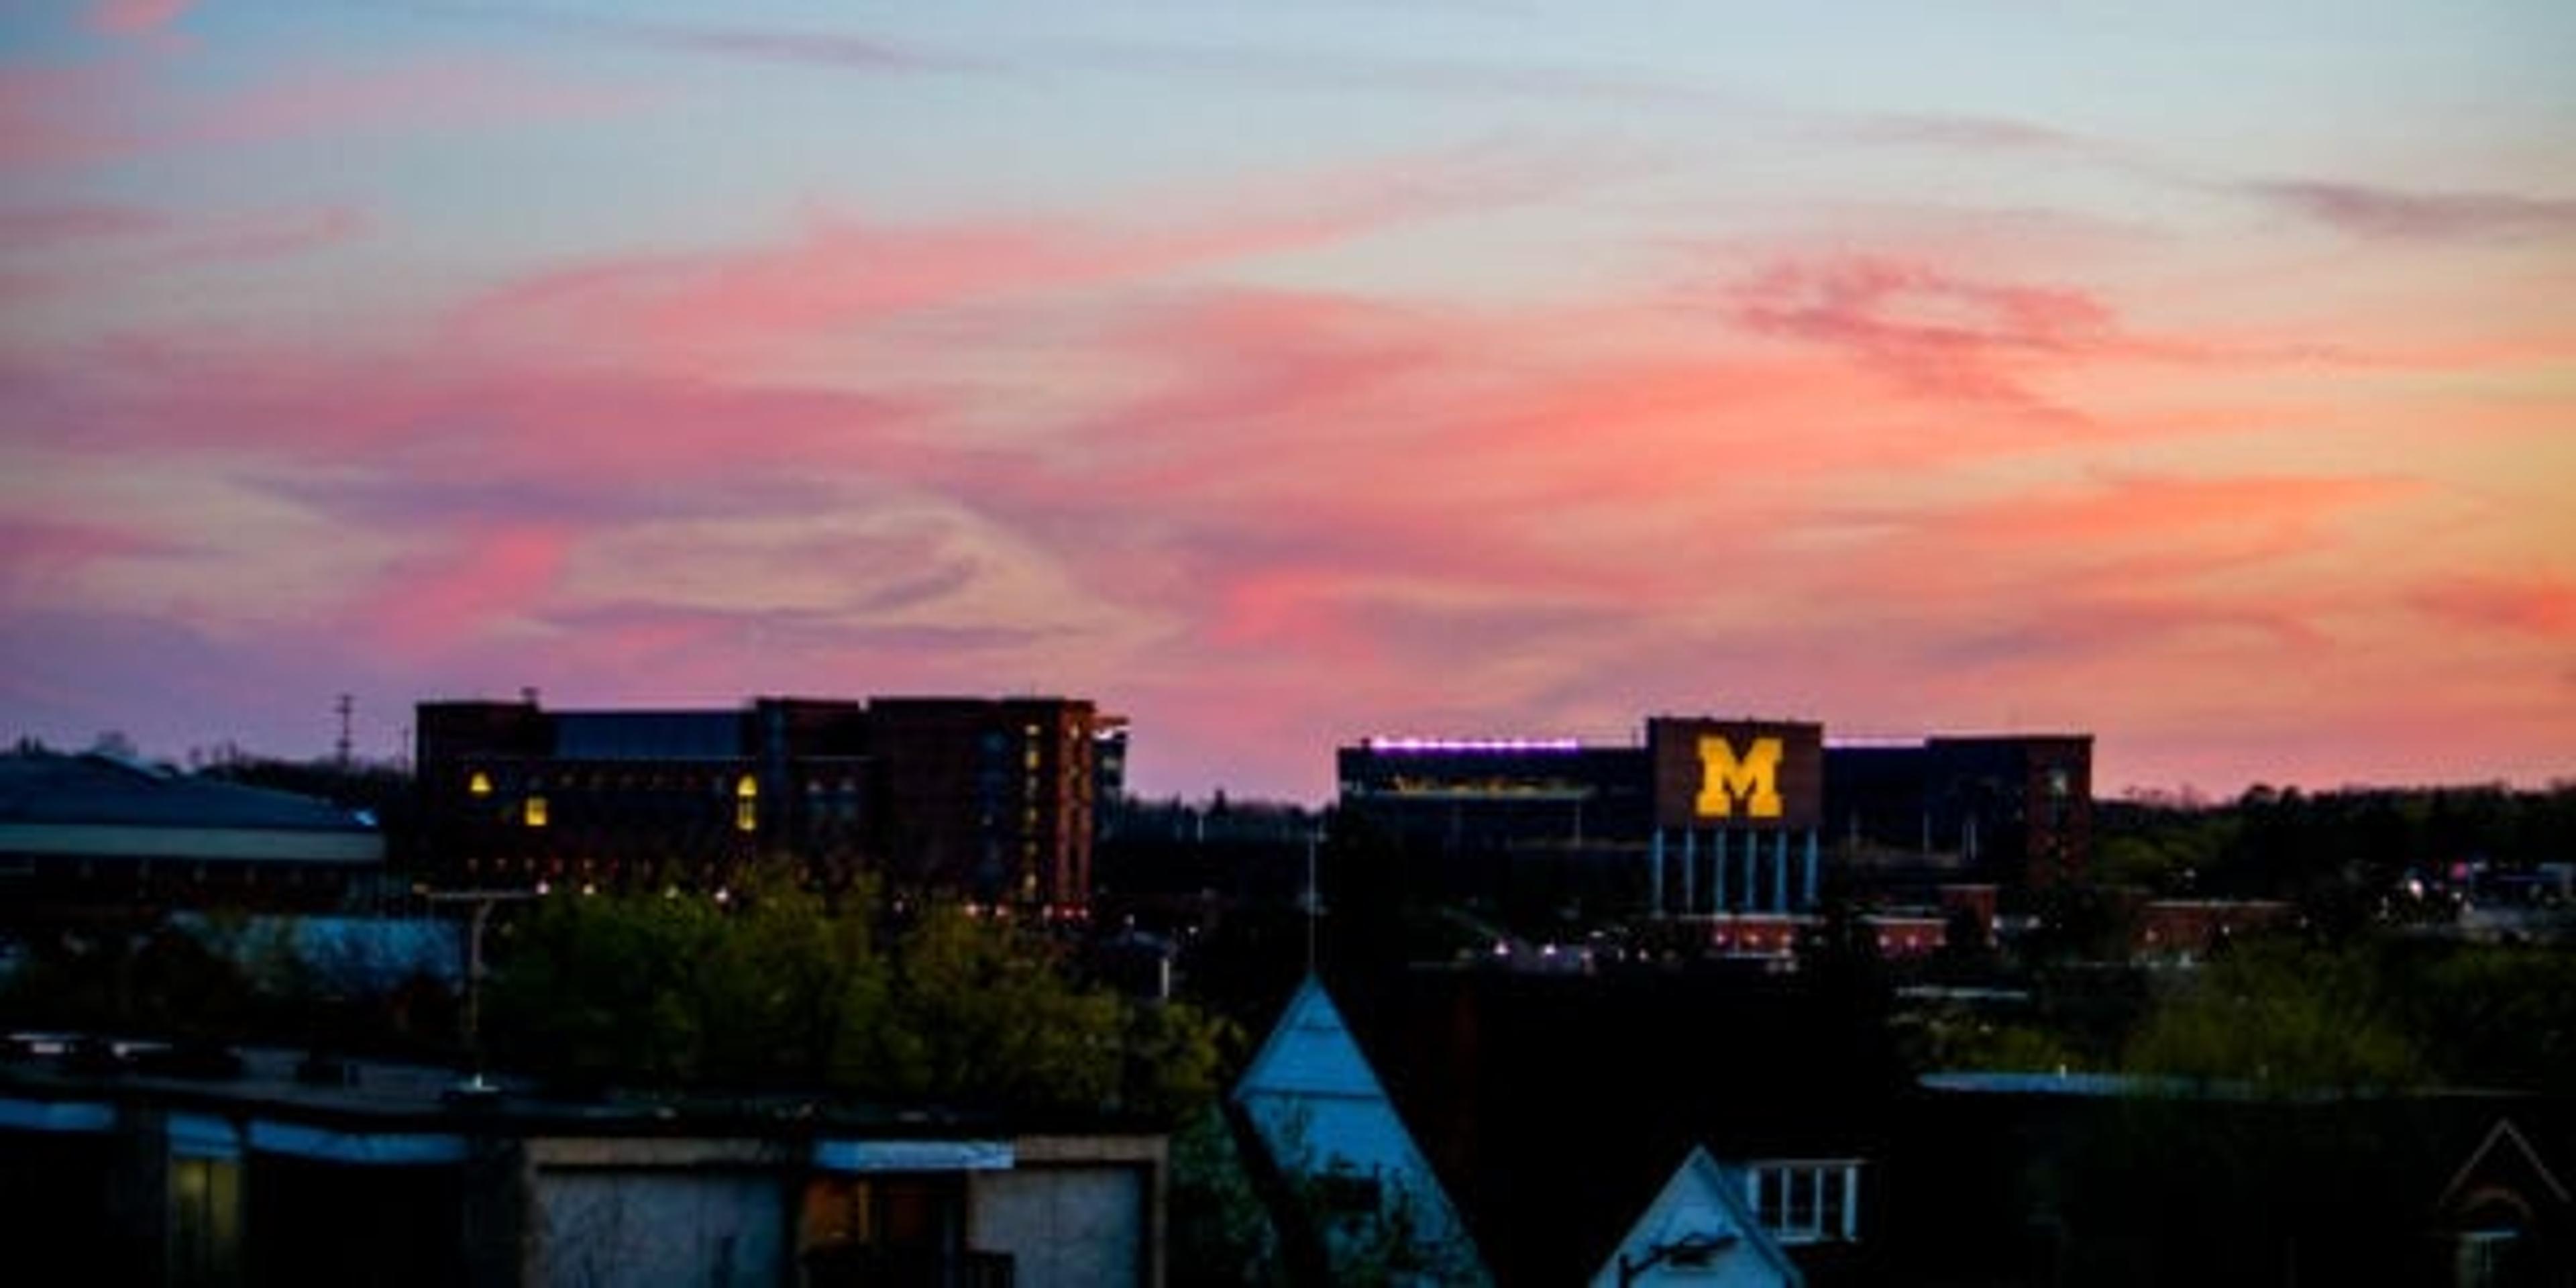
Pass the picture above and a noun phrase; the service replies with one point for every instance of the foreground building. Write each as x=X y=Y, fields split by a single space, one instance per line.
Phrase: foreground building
x=994 y=799
x=132 y=1163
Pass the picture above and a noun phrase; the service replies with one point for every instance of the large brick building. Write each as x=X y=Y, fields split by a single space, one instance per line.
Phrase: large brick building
x=1725 y=817
x=990 y=798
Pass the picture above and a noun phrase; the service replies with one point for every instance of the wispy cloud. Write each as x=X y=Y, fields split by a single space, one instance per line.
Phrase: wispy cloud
x=2399 y=214
x=812 y=48
x=136 y=17
x=65 y=115
x=834 y=274
x=410 y=95
x=1985 y=133
x=1935 y=331
x=45 y=228
x=74 y=116
x=2544 y=607
x=55 y=249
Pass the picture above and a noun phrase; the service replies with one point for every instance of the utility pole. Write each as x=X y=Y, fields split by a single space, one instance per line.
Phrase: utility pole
x=346 y=706
x=1314 y=901
x=480 y=903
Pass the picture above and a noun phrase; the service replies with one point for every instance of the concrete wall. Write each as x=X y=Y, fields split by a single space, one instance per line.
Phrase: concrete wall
x=1061 y=1226
x=1074 y=1211
x=700 y=1229
x=647 y=1212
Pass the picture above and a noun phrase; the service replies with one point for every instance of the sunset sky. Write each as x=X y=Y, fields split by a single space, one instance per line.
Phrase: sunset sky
x=2199 y=375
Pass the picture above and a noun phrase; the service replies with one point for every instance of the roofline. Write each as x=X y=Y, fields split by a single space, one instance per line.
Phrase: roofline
x=2503 y=1128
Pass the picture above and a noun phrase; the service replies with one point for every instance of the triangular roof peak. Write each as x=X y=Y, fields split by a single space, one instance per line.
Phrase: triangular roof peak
x=1311 y=1051
x=1697 y=1222
x=2503 y=1136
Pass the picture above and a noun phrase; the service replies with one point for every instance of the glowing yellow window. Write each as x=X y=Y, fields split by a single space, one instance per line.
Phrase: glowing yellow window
x=480 y=784
x=746 y=804
x=533 y=812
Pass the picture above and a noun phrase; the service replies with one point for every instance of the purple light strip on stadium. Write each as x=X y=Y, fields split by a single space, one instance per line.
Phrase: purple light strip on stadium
x=1471 y=746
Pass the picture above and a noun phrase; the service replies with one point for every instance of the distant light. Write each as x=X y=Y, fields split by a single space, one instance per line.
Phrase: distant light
x=723 y=895
x=588 y=888
x=543 y=888
x=1471 y=746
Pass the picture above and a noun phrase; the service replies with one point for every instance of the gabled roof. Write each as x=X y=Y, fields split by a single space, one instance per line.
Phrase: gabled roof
x=1310 y=1052
x=1319 y=1108
x=1700 y=1210
x=2504 y=1158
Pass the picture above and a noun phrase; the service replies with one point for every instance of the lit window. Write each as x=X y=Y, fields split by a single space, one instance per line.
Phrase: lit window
x=479 y=785
x=746 y=804
x=533 y=813
x=205 y=1219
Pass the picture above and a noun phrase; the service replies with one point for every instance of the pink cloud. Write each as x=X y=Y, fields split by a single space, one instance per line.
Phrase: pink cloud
x=457 y=594
x=697 y=310
x=78 y=248
x=39 y=556
x=47 y=227
x=58 y=117
x=1941 y=334
x=1984 y=133
x=136 y=17
x=65 y=115
x=410 y=96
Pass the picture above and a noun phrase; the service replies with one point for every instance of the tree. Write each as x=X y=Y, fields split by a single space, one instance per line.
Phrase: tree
x=772 y=987
x=2282 y=1018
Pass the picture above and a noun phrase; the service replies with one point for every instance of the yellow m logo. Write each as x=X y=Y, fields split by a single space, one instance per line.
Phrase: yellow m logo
x=1725 y=778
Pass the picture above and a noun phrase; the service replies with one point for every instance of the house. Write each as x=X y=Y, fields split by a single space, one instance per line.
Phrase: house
x=1345 y=1163
x=2506 y=1217
x=1546 y=1112
x=1698 y=1231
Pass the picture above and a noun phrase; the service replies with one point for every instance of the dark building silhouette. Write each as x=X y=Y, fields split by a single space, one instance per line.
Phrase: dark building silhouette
x=91 y=836
x=991 y=798
x=2014 y=810
x=1003 y=793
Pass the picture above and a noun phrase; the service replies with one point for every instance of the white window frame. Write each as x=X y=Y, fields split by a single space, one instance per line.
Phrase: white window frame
x=1771 y=1185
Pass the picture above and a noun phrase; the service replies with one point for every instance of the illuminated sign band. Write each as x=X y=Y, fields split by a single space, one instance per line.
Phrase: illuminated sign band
x=1470 y=746
x=1737 y=773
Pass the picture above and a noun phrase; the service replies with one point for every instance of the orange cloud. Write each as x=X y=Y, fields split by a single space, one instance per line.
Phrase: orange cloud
x=2539 y=606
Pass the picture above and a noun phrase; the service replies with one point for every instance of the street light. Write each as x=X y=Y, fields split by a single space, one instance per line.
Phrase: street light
x=481 y=902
